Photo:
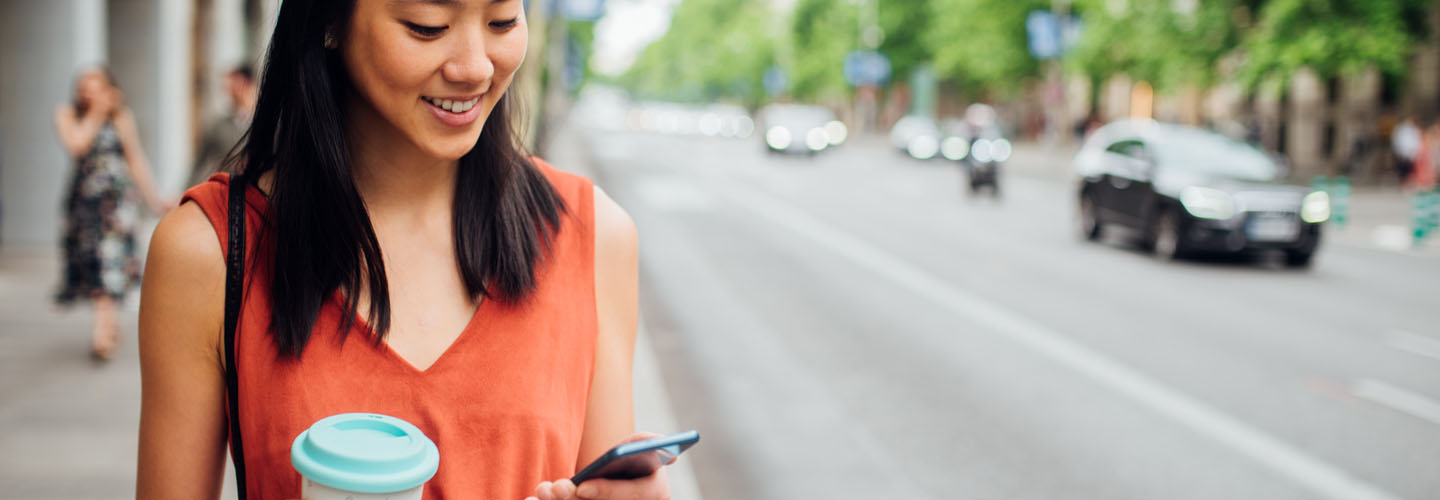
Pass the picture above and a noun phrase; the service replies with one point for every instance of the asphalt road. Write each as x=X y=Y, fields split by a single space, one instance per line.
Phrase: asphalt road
x=853 y=326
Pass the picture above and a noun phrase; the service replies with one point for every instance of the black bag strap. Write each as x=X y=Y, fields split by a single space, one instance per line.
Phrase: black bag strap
x=234 y=291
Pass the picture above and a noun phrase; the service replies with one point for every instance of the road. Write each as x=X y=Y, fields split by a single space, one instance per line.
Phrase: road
x=852 y=326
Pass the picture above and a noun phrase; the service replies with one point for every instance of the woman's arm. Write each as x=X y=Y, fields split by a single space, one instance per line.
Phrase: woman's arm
x=77 y=134
x=182 y=415
x=129 y=135
x=610 y=414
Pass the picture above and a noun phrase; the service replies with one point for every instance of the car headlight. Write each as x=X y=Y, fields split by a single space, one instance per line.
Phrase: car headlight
x=1315 y=208
x=1207 y=203
x=981 y=151
x=923 y=147
x=1000 y=150
x=778 y=138
x=955 y=148
x=816 y=139
x=836 y=132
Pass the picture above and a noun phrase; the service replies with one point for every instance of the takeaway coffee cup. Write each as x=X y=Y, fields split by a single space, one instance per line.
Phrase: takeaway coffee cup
x=363 y=456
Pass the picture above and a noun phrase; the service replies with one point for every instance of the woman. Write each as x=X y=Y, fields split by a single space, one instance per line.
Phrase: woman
x=406 y=259
x=100 y=265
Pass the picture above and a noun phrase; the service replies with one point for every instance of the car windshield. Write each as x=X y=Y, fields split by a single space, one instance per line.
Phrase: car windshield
x=1213 y=154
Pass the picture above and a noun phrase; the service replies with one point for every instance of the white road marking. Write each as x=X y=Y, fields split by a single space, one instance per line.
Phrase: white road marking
x=1391 y=237
x=1416 y=344
x=1324 y=479
x=1399 y=399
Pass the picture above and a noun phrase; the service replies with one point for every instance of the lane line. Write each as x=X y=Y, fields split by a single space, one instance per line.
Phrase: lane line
x=1399 y=399
x=1414 y=344
x=1324 y=479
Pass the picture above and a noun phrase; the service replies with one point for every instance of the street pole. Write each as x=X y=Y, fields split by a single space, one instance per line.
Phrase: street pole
x=1059 y=110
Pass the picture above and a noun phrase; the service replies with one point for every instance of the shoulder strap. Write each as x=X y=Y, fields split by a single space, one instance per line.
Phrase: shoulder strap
x=234 y=290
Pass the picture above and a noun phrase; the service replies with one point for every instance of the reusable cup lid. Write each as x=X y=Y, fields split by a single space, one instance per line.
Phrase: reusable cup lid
x=365 y=453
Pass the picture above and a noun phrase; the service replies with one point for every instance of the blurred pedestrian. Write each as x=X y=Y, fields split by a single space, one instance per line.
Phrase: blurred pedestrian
x=1427 y=161
x=403 y=256
x=225 y=132
x=100 y=134
x=1405 y=146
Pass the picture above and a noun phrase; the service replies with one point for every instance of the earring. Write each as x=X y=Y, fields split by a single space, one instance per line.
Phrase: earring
x=330 y=42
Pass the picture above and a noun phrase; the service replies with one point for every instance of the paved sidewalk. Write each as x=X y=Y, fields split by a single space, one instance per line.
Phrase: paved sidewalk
x=68 y=424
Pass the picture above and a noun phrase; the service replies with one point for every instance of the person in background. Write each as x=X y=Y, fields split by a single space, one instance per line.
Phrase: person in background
x=225 y=132
x=1405 y=144
x=99 y=132
x=1427 y=161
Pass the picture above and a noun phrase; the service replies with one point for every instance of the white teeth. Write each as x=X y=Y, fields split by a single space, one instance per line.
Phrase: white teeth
x=453 y=106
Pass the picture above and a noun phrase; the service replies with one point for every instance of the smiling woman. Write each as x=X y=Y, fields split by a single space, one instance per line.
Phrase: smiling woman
x=382 y=176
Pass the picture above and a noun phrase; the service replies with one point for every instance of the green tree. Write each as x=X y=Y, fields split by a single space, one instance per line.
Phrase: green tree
x=1333 y=37
x=981 y=45
x=906 y=26
x=713 y=49
x=1155 y=41
x=822 y=33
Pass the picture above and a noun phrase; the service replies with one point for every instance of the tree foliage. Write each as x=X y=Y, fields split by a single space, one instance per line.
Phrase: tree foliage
x=1154 y=41
x=713 y=49
x=1333 y=37
x=981 y=44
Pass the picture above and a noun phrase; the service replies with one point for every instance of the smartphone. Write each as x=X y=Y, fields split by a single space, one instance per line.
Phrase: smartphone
x=638 y=459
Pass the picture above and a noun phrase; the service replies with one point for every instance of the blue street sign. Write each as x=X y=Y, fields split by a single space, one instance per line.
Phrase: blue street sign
x=1049 y=36
x=775 y=81
x=867 y=68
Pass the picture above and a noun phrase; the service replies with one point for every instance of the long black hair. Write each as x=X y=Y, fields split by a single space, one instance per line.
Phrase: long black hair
x=317 y=232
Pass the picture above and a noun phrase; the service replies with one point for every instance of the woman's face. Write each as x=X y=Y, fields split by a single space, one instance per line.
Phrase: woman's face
x=91 y=86
x=434 y=69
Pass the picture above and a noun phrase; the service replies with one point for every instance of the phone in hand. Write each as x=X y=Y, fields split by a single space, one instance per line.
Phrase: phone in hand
x=638 y=459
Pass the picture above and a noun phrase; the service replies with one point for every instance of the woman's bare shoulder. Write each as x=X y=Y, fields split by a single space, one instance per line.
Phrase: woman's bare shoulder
x=185 y=277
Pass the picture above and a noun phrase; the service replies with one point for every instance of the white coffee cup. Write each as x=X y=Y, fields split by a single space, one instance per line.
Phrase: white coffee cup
x=363 y=456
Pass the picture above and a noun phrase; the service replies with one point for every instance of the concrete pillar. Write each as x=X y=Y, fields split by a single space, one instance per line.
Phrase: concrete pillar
x=1305 y=123
x=1269 y=114
x=1356 y=115
x=1115 y=99
x=42 y=48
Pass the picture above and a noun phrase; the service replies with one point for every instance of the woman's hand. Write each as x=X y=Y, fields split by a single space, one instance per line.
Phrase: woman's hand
x=652 y=487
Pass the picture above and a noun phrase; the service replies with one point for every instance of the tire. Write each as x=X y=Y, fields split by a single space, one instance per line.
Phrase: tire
x=1299 y=259
x=1089 y=222
x=1165 y=238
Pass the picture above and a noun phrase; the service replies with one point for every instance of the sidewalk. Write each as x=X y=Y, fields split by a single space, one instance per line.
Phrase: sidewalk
x=68 y=425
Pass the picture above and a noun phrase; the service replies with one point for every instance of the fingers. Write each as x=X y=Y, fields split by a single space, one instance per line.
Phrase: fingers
x=652 y=487
x=558 y=490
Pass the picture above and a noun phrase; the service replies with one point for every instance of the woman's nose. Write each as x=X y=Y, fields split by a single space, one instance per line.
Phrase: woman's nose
x=469 y=63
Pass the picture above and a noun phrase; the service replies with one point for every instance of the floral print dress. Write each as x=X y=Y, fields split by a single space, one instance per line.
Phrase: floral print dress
x=99 y=240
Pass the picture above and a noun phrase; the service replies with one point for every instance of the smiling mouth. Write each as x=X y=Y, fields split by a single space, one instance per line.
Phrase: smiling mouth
x=452 y=106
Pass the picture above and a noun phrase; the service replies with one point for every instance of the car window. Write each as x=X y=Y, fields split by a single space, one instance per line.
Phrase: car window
x=1129 y=147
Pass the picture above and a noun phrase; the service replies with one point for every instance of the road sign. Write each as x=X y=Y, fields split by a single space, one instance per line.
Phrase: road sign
x=867 y=68
x=1050 y=36
x=775 y=81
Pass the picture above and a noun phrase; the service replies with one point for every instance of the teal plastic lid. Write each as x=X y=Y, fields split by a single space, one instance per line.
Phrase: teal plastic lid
x=365 y=453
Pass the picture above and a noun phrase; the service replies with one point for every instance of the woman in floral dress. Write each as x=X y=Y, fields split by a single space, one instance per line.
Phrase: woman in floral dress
x=99 y=132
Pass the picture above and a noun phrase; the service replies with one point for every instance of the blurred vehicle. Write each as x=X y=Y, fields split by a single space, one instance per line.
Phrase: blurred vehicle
x=800 y=129
x=726 y=120
x=1188 y=190
x=918 y=136
x=981 y=149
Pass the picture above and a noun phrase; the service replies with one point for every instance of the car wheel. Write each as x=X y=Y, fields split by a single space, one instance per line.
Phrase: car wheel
x=1089 y=221
x=1165 y=237
x=1299 y=258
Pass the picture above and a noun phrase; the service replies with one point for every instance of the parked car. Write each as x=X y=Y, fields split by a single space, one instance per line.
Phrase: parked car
x=801 y=129
x=1188 y=190
x=917 y=136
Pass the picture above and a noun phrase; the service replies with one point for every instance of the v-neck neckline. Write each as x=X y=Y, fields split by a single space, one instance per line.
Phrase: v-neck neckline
x=389 y=352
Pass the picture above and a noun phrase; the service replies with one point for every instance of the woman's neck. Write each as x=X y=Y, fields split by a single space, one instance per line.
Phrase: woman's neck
x=395 y=178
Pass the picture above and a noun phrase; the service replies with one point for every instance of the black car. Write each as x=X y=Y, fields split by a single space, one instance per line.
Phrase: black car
x=1187 y=190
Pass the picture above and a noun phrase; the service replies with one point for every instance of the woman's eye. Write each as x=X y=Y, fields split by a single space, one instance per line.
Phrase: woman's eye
x=505 y=25
x=426 y=31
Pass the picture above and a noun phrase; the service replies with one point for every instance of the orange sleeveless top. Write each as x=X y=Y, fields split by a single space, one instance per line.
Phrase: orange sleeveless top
x=505 y=403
